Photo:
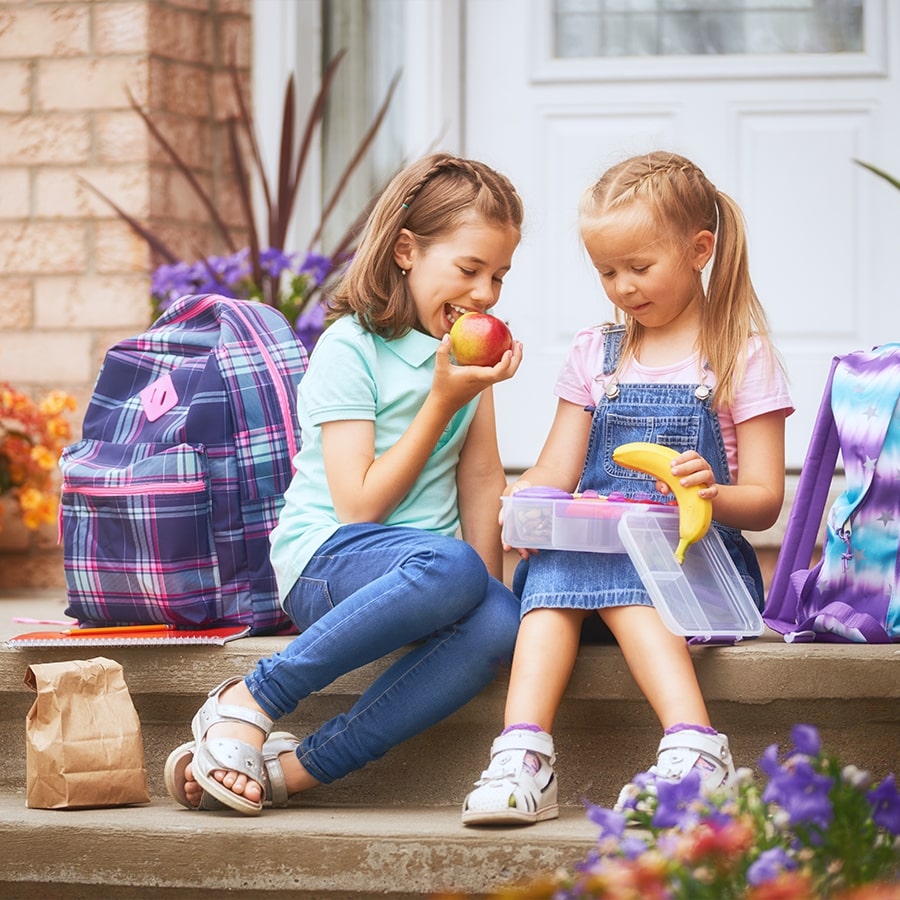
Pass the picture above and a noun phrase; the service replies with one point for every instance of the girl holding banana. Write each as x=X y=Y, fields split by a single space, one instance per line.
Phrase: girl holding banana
x=689 y=365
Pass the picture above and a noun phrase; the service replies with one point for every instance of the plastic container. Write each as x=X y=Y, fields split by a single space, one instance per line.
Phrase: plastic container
x=704 y=598
x=548 y=519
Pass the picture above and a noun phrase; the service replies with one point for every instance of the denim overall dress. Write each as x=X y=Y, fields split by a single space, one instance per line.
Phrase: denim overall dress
x=680 y=416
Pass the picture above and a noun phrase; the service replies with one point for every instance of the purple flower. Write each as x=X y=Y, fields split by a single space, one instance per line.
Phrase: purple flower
x=769 y=761
x=673 y=798
x=310 y=324
x=769 y=865
x=317 y=266
x=806 y=740
x=612 y=824
x=169 y=282
x=632 y=846
x=802 y=793
x=886 y=805
x=276 y=261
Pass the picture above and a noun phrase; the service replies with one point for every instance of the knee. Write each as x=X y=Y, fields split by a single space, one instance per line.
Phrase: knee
x=498 y=622
x=459 y=567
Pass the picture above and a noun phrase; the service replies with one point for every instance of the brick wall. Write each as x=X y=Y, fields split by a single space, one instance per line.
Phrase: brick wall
x=73 y=276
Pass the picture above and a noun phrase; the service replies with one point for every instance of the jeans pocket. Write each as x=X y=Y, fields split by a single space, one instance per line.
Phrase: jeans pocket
x=308 y=600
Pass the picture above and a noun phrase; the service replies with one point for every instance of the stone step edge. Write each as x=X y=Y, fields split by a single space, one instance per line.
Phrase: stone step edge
x=752 y=671
x=351 y=851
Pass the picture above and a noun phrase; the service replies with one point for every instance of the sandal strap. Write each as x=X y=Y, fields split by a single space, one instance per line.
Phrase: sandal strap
x=276 y=787
x=230 y=754
x=686 y=751
x=710 y=745
x=213 y=711
x=537 y=741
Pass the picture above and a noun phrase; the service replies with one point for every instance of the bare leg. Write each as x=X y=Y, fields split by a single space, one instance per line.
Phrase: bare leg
x=661 y=664
x=546 y=649
x=296 y=777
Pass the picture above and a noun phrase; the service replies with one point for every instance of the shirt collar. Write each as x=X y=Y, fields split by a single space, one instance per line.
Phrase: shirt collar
x=414 y=348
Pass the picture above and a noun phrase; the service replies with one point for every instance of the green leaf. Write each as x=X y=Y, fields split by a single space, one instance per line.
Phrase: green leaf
x=879 y=172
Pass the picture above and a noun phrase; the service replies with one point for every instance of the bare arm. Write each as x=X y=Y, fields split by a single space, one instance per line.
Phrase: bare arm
x=365 y=488
x=561 y=459
x=480 y=482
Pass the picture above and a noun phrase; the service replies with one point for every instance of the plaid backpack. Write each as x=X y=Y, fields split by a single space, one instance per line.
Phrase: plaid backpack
x=853 y=593
x=169 y=498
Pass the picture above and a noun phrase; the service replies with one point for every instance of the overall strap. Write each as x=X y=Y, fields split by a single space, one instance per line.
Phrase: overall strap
x=612 y=346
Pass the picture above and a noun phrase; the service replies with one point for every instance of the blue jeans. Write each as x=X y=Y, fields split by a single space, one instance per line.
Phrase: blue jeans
x=372 y=589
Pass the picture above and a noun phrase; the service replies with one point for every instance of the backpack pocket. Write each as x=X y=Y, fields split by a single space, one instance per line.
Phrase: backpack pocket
x=137 y=534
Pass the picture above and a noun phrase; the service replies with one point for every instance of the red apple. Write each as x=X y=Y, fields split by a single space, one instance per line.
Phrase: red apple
x=478 y=339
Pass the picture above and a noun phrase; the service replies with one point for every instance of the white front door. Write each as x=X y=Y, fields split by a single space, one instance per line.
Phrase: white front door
x=778 y=130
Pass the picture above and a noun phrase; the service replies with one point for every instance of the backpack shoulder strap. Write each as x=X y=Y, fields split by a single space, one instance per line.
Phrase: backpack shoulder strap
x=802 y=530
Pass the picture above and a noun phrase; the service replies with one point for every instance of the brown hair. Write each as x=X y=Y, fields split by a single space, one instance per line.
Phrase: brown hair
x=429 y=198
x=683 y=201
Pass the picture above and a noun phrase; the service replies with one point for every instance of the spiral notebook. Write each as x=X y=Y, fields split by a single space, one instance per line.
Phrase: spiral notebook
x=133 y=636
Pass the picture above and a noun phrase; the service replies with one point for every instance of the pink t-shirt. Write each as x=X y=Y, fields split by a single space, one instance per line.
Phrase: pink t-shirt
x=763 y=388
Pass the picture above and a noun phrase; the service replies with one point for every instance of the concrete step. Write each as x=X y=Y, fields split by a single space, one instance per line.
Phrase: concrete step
x=393 y=828
x=163 y=851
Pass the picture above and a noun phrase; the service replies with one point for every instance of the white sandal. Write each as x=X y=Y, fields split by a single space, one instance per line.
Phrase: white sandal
x=212 y=754
x=695 y=751
x=276 y=790
x=678 y=755
x=519 y=786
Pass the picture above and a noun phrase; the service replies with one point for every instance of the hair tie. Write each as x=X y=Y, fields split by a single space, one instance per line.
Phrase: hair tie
x=405 y=205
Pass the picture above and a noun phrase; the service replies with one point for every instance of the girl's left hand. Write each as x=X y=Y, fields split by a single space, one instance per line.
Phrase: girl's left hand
x=690 y=468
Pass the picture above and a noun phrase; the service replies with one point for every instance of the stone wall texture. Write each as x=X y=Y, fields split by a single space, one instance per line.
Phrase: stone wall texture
x=74 y=278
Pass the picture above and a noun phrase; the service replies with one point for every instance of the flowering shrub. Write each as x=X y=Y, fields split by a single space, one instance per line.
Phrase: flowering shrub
x=290 y=283
x=290 y=280
x=816 y=830
x=31 y=438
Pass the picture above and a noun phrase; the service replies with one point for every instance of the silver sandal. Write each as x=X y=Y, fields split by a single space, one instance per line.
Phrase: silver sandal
x=212 y=754
x=276 y=790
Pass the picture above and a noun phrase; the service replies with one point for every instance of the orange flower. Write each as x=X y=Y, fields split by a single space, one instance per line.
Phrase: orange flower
x=32 y=436
x=724 y=842
x=787 y=886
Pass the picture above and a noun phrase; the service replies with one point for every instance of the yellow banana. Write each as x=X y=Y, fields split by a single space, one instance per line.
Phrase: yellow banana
x=694 y=511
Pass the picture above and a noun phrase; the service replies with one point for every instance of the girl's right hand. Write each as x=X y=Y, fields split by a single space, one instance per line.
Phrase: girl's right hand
x=512 y=488
x=457 y=385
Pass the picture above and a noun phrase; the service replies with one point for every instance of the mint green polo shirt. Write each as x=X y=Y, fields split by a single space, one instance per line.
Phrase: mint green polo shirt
x=354 y=374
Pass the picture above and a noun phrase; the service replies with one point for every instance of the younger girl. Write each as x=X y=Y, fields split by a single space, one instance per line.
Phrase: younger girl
x=691 y=368
x=399 y=450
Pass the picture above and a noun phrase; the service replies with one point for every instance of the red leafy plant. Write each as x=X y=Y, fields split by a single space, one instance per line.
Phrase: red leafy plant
x=263 y=270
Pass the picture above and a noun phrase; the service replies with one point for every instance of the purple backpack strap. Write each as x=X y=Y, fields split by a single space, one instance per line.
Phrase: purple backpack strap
x=802 y=530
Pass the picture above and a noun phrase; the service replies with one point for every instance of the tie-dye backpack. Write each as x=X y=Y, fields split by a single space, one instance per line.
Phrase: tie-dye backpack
x=187 y=447
x=853 y=593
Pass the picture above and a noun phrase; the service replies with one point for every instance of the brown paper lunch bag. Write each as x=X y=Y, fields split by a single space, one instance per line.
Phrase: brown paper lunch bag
x=83 y=744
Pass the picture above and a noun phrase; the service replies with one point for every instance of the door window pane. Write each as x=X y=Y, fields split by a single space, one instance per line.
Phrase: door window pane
x=609 y=28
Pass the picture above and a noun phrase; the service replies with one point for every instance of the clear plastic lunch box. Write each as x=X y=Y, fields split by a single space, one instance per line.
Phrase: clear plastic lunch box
x=704 y=598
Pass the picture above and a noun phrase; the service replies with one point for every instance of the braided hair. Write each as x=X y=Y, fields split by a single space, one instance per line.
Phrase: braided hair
x=430 y=198
x=682 y=201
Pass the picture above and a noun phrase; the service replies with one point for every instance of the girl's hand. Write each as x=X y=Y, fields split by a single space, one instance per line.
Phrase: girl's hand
x=511 y=489
x=690 y=468
x=516 y=486
x=457 y=385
